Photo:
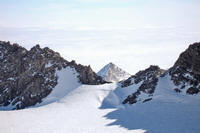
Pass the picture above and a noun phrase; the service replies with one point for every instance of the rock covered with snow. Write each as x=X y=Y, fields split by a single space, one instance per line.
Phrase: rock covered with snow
x=146 y=81
x=26 y=77
x=186 y=71
x=113 y=73
x=183 y=77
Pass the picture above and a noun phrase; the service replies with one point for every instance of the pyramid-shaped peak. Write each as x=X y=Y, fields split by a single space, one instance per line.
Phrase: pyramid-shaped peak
x=112 y=73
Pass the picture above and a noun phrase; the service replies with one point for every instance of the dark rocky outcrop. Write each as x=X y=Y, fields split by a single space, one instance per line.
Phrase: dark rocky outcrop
x=147 y=79
x=26 y=77
x=186 y=70
x=185 y=74
x=177 y=90
x=192 y=90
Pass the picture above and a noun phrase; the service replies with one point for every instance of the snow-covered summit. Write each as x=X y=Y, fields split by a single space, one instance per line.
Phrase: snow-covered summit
x=113 y=73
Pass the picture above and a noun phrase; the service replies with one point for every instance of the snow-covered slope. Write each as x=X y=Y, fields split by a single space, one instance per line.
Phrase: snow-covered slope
x=151 y=101
x=67 y=82
x=76 y=108
x=113 y=73
x=84 y=110
x=168 y=111
x=78 y=112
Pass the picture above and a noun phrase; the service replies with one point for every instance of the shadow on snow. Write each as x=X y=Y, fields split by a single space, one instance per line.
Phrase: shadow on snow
x=156 y=117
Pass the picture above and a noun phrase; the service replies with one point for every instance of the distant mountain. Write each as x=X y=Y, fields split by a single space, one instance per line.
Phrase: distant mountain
x=27 y=77
x=113 y=73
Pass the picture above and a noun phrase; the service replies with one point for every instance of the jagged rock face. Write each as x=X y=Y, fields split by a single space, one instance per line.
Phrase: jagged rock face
x=26 y=77
x=185 y=75
x=147 y=81
x=186 y=71
x=112 y=73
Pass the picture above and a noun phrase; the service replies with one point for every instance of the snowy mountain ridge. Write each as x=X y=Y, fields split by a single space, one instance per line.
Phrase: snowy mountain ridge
x=113 y=73
x=28 y=76
x=151 y=101
x=183 y=78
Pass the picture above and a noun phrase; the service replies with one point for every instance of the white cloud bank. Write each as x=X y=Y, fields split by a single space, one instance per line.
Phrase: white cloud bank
x=132 y=34
x=131 y=49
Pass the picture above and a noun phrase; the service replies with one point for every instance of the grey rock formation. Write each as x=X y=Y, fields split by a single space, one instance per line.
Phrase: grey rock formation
x=26 y=78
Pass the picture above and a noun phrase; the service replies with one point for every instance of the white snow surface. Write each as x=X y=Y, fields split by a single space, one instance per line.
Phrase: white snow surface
x=82 y=109
x=67 y=81
x=113 y=73
x=167 y=112
x=78 y=112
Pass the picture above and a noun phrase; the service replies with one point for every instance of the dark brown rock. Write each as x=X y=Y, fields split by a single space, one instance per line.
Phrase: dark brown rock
x=25 y=77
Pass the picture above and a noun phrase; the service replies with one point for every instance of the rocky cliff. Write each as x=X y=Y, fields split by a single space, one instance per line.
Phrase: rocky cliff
x=146 y=81
x=184 y=75
x=28 y=76
x=186 y=71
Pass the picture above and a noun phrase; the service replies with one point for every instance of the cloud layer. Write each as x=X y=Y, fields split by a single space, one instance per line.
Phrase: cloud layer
x=132 y=33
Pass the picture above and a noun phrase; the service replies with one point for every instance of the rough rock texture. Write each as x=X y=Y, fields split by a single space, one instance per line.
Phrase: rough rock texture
x=147 y=80
x=186 y=71
x=26 y=77
x=185 y=74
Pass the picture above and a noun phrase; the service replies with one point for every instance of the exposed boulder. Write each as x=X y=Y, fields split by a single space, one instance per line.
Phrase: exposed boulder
x=192 y=90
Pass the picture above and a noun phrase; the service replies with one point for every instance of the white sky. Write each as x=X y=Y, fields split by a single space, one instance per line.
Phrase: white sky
x=133 y=34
